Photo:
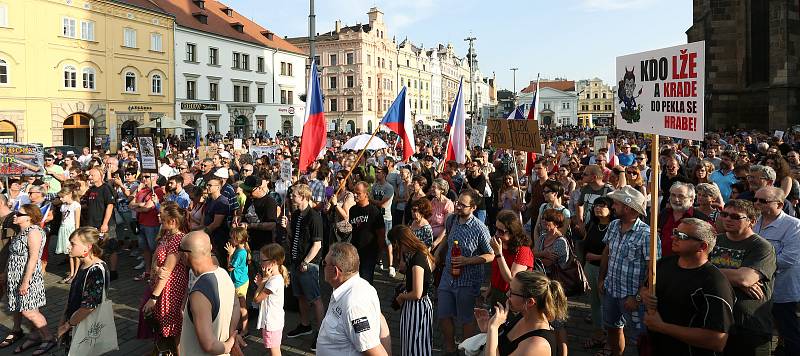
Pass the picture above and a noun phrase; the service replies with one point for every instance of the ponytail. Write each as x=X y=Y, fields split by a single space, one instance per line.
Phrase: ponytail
x=285 y=274
x=549 y=295
x=555 y=302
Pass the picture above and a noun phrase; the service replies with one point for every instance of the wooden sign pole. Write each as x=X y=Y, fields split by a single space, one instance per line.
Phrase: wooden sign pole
x=654 y=236
x=360 y=155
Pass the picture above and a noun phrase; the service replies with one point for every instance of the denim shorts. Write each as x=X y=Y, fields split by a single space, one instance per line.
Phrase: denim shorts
x=306 y=283
x=615 y=316
x=458 y=303
x=147 y=237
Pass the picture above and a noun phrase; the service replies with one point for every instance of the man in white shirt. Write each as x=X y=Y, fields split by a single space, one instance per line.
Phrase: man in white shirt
x=85 y=157
x=352 y=325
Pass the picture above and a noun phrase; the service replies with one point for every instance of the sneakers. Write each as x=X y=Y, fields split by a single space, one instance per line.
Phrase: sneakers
x=380 y=266
x=301 y=330
x=139 y=266
x=314 y=345
x=392 y=272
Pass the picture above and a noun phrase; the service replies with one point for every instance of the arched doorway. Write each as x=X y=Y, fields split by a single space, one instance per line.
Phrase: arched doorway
x=190 y=134
x=287 y=127
x=351 y=126
x=241 y=128
x=8 y=132
x=76 y=130
x=128 y=130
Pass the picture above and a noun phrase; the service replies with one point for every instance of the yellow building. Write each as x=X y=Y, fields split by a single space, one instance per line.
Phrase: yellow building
x=595 y=103
x=72 y=71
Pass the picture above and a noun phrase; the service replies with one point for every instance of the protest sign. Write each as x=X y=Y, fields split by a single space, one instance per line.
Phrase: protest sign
x=525 y=135
x=19 y=159
x=147 y=153
x=478 y=136
x=778 y=134
x=498 y=131
x=600 y=142
x=662 y=91
x=259 y=151
x=286 y=170
x=237 y=143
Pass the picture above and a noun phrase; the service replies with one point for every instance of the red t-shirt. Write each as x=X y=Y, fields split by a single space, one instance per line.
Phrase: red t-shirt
x=149 y=217
x=666 y=229
x=523 y=257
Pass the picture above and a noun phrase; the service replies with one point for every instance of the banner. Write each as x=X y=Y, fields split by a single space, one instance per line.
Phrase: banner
x=662 y=91
x=525 y=135
x=148 y=156
x=19 y=159
x=499 y=133
x=258 y=151
x=477 y=136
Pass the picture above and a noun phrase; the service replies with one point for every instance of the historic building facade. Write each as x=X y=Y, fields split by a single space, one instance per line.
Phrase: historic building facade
x=105 y=61
x=415 y=73
x=595 y=103
x=232 y=75
x=752 y=62
x=558 y=102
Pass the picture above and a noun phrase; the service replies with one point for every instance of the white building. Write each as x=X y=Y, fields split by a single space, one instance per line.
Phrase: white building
x=558 y=102
x=436 y=87
x=233 y=75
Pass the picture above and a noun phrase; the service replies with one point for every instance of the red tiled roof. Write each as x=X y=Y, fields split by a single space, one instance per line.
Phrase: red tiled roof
x=219 y=23
x=143 y=4
x=563 y=85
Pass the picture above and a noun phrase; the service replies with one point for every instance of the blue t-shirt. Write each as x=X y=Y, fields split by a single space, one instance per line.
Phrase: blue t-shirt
x=239 y=264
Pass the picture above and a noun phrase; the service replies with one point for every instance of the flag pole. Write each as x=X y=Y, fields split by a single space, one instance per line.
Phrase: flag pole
x=360 y=155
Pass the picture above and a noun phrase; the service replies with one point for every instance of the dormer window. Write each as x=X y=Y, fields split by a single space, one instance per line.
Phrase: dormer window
x=238 y=27
x=200 y=3
x=267 y=34
x=201 y=16
x=228 y=11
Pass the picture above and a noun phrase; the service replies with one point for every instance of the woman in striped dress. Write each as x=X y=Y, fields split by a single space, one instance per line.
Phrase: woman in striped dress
x=416 y=316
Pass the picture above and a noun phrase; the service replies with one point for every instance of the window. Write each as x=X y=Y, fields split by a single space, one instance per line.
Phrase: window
x=237 y=93
x=213 y=56
x=333 y=61
x=130 y=82
x=260 y=95
x=332 y=82
x=350 y=81
x=88 y=75
x=415 y=84
x=68 y=28
x=350 y=58
x=129 y=38
x=236 y=60
x=349 y=104
x=212 y=91
x=369 y=104
x=289 y=69
x=283 y=96
x=191 y=89
x=87 y=30
x=290 y=97
x=70 y=77
x=3 y=72
x=758 y=49
x=155 y=84
x=245 y=93
x=369 y=59
x=390 y=64
x=3 y=16
x=369 y=82
x=595 y=95
x=408 y=63
x=334 y=106
x=604 y=95
x=260 y=64
x=245 y=61
x=156 y=42
x=191 y=52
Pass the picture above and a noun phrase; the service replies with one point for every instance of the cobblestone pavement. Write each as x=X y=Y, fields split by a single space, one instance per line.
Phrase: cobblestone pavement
x=126 y=295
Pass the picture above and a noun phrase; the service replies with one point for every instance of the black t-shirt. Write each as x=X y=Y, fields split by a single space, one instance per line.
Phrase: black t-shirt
x=306 y=229
x=96 y=200
x=752 y=316
x=260 y=210
x=419 y=259
x=366 y=221
x=215 y=207
x=479 y=183
x=594 y=239
x=698 y=298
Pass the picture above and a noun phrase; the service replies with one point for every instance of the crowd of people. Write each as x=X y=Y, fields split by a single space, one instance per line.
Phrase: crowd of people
x=486 y=247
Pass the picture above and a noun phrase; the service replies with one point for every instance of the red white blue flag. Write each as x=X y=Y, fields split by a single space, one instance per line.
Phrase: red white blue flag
x=457 y=126
x=315 y=128
x=398 y=119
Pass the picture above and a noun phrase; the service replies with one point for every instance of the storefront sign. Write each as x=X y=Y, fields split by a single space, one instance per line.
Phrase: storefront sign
x=289 y=110
x=200 y=106
x=18 y=159
x=139 y=108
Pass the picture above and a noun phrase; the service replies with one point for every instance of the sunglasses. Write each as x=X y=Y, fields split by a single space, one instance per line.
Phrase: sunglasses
x=633 y=173
x=19 y=215
x=732 y=216
x=764 y=201
x=499 y=231
x=683 y=236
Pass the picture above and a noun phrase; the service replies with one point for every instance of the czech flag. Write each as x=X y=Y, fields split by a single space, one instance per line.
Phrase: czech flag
x=398 y=119
x=315 y=128
x=457 y=126
x=518 y=113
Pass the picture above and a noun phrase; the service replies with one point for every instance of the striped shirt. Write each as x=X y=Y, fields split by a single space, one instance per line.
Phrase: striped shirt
x=627 y=258
x=473 y=239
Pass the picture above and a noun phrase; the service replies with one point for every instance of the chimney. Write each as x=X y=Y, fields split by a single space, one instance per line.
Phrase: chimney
x=338 y=26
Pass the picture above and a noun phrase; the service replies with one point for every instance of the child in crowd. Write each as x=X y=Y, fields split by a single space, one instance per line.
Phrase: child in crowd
x=238 y=260
x=71 y=212
x=271 y=281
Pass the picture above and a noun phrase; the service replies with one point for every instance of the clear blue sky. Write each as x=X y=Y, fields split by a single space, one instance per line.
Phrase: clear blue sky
x=576 y=39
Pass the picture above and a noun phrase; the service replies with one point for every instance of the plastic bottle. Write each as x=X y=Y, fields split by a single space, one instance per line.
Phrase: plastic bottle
x=455 y=252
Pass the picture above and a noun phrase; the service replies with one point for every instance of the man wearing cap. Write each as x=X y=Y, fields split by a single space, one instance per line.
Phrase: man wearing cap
x=692 y=309
x=54 y=174
x=229 y=192
x=623 y=266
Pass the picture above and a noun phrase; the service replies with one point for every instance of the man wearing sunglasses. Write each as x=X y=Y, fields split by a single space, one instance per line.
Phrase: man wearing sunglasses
x=691 y=311
x=748 y=262
x=783 y=232
x=764 y=176
x=681 y=205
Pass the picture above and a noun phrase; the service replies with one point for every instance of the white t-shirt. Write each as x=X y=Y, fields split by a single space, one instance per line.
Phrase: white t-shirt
x=352 y=323
x=271 y=314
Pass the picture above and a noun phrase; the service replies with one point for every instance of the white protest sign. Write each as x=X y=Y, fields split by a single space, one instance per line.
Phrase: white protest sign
x=286 y=170
x=478 y=136
x=662 y=91
x=778 y=134
x=258 y=151
x=600 y=142
x=237 y=143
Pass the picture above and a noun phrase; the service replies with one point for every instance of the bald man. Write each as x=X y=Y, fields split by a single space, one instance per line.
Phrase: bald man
x=211 y=316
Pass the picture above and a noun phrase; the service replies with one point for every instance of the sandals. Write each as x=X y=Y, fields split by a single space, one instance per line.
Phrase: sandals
x=44 y=347
x=27 y=344
x=12 y=338
x=142 y=277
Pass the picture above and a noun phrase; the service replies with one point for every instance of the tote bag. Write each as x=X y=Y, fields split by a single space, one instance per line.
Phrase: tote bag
x=97 y=333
